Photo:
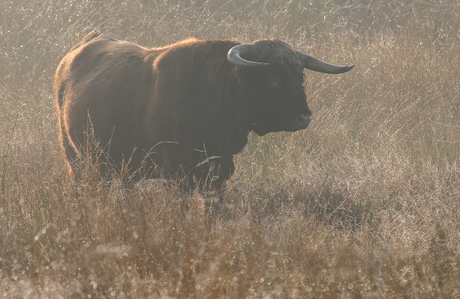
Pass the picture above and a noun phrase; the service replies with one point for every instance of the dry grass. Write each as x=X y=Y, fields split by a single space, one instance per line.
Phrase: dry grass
x=365 y=203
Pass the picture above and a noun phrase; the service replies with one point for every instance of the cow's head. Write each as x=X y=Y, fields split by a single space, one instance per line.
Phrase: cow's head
x=271 y=77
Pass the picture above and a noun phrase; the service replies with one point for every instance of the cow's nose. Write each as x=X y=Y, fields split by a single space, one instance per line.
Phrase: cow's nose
x=303 y=119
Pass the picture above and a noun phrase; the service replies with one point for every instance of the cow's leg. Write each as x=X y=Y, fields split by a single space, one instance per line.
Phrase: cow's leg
x=214 y=201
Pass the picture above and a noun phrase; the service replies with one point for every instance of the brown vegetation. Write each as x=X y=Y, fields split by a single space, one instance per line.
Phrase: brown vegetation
x=365 y=203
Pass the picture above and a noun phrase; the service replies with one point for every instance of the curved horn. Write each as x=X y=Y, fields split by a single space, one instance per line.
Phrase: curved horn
x=235 y=53
x=317 y=65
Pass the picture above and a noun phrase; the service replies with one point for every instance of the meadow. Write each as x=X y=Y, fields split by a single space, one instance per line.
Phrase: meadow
x=364 y=203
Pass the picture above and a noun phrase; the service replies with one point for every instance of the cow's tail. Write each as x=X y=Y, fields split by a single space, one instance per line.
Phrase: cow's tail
x=92 y=35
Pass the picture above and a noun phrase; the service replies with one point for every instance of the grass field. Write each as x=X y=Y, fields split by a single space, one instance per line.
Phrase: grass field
x=364 y=203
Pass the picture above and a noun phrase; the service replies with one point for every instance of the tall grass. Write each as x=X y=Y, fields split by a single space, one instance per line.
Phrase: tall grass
x=365 y=203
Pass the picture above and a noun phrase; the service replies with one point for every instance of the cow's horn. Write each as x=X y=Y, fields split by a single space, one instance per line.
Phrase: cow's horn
x=317 y=65
x=235 y=53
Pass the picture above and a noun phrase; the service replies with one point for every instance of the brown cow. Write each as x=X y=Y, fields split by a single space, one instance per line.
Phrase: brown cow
x=182 y=109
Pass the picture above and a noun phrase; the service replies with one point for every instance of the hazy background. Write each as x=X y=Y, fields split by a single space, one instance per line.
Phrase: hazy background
x=364 y=203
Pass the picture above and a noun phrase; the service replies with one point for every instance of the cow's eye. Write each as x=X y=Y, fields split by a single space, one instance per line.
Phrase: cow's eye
x=275 y=84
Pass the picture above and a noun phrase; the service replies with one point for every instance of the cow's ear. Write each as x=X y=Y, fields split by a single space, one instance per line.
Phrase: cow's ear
x=248 y=74
x=241 y=73
x=237 y=73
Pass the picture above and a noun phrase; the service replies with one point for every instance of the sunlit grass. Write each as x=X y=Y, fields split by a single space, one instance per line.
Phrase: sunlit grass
x=365 y=203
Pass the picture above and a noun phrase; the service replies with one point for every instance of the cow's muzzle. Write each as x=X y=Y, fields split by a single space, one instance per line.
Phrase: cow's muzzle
x=302 y=120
